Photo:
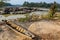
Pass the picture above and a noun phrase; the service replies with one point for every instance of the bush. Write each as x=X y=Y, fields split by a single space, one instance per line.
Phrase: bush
x=34 y=17
x=46 y=16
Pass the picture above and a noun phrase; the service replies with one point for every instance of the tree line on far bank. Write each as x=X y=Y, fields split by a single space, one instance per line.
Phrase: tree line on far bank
x=30 y=4
x=4 y=4
x=41 y=4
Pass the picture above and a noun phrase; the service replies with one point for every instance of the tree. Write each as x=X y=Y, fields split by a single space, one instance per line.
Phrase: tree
x=26 y=3
x=53 y=9
x=3 y=3
x=4 y=0
x=41 y=4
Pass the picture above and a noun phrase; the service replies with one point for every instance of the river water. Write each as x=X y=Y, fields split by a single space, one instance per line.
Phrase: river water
x=22 y=16
x=39 y=12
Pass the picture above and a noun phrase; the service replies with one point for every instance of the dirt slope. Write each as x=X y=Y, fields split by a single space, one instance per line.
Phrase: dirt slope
x=8 y=34
x=46 y=30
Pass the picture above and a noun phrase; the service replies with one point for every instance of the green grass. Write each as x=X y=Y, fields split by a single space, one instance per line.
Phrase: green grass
x=24 y=19
x=6 y=15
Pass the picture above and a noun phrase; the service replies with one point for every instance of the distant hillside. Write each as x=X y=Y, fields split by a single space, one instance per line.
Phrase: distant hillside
x=8 y=4
x=14 y=6
x=5 y=4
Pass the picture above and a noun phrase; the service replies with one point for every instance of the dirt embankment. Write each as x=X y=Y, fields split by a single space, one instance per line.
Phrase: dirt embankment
x=8 y=34
x=46 y=30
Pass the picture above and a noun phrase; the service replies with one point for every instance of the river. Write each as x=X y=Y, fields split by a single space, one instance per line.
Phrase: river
x=22 y=16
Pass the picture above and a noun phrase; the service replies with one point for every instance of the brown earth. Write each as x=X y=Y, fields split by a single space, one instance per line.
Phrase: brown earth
x=8 y=34
x=46 y=30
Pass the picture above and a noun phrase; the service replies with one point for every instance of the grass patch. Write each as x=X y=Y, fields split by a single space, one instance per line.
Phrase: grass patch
x=6 y=15
x=24 y=19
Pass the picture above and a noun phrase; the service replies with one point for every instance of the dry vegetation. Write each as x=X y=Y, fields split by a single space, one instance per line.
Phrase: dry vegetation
x=35 y=17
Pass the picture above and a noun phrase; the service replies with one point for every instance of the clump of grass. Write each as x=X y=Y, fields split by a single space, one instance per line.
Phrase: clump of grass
x=6 y=15
x=47 y=16
x=24 y=19
x=34 y=17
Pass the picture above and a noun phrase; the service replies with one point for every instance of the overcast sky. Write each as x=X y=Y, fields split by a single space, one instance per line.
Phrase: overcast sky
x=22 y=1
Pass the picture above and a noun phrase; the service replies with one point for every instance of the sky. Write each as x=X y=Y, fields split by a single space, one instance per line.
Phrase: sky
x=20 y=2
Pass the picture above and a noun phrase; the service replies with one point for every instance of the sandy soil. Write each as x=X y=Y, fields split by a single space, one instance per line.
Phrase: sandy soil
x=46 y=30
x=8 y=34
